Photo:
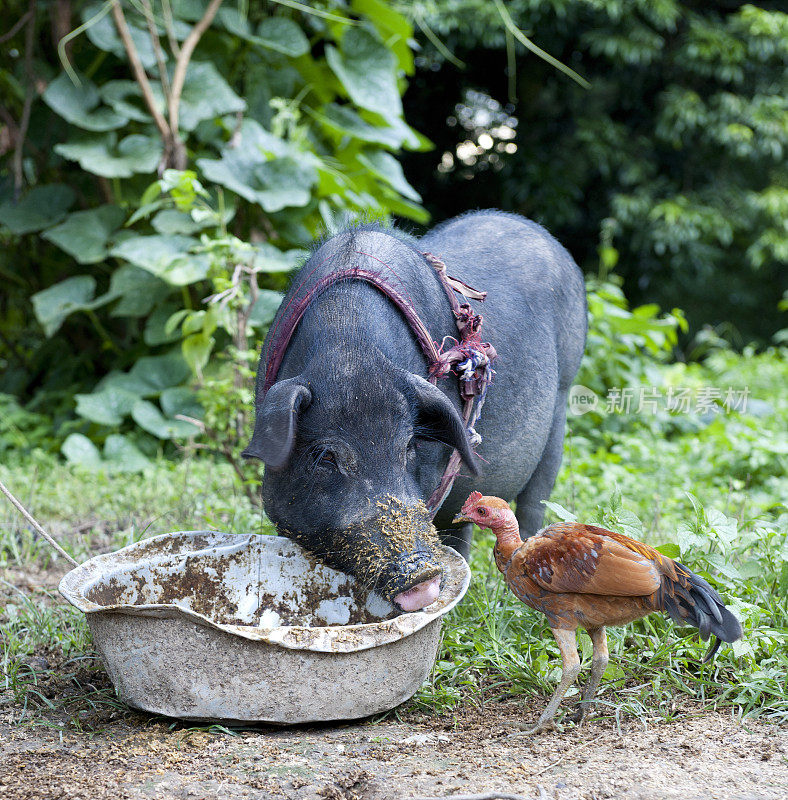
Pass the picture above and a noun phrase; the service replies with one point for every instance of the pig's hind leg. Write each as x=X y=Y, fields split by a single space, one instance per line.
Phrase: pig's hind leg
x=530 y=510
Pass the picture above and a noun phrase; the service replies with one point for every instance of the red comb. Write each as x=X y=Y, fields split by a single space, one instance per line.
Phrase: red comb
x=473 y=498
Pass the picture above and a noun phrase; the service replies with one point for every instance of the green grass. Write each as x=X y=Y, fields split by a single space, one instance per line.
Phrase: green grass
x=49 y=669
x=709 y=491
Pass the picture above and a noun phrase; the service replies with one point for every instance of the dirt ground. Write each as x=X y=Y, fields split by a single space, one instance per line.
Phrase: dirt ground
x=701 y=757
x=81 y=750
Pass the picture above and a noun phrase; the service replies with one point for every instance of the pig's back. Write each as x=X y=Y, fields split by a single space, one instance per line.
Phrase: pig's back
x=535 y=289
x=535 y=317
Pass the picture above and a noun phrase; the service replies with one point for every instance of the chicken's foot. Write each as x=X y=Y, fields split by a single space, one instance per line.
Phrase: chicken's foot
x=598 y=667
x=567 y=644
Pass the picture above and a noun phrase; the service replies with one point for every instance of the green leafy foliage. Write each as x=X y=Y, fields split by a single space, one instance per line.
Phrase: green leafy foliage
x=79 y=105
x=41 y=207
x=366 y=70
x=109 y=158
x=115 y=254
x=674 y=157
x=710 y=494
x=53 y=305
x=85 y=234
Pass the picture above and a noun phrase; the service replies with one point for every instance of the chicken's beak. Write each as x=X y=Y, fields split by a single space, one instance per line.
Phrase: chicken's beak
x=461 y=518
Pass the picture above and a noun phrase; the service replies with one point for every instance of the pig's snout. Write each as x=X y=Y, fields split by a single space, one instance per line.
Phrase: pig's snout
x=420 y=596
x=421 y=589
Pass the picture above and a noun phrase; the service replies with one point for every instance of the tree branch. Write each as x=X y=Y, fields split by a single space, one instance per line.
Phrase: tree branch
x=61 y=25
x=167 y=13
x=174 y=147
x=17 y=26
x=142 y=80
x=181 y=65
x=154 y=36
x=28 y=104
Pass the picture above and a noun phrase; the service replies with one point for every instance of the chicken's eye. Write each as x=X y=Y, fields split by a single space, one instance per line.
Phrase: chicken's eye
x=482 y=512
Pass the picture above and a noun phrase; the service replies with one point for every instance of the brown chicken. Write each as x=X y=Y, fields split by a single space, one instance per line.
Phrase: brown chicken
x=582 y=576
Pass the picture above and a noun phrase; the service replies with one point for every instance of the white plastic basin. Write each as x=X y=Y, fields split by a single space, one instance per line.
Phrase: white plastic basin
x=213 y=626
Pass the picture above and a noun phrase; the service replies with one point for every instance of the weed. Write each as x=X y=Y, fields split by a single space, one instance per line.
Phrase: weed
x=708 y=492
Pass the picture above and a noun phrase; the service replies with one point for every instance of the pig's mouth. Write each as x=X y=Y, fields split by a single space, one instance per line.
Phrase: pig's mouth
x=421 y=595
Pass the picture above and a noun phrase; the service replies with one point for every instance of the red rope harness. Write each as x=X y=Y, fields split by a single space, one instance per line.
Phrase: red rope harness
x=469 y=357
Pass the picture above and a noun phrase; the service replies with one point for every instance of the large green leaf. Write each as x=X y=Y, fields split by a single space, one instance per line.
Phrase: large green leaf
x=275 y=33
x=206 y=95
x=134 y=384
x=367 y=70
x=105 y=156
x=39 y=208
x=264 y=309
x=181 y=400
x=121 y=455
x=107 y=406
x=346 y=122
x=78 y=449
x=84 y=235
x=53 y=305
x=104 y=35
x=288 y=182
x=166 y=257
x=170 y=221
x=384 y=17
x=411 y=138
x=394 y=29
x=247 y=169
x=125 y=97
x=283 y=35
x=160 y=372
x=387 y=168
x=407 y=209
x=155 y=333
x=149 y=417
x=150 y=376
x=79 y=105
x=231 y=19
x=139 y=291
x=268 y=258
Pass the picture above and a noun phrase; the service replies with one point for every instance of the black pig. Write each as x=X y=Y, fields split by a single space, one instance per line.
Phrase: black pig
x=355 y=438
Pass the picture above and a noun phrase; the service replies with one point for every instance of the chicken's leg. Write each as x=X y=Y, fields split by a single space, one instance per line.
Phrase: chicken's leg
x=598 y=667
x=567 y=644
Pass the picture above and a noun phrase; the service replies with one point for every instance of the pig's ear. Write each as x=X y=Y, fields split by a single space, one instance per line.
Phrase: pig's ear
x=439 y=419
x=275 y=422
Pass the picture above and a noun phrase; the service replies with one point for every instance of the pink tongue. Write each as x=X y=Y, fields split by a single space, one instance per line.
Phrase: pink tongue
x=421 y=595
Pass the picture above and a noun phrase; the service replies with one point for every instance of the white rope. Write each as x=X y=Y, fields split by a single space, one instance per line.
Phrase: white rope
x=26 y=514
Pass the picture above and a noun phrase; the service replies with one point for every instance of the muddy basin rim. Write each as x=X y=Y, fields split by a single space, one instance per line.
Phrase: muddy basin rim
x=142 y=560
x=188 y=625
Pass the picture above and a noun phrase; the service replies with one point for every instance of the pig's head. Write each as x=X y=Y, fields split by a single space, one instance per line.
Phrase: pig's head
x=353 y=446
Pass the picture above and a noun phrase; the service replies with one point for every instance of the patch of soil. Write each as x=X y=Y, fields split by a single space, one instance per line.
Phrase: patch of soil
x=73 y=741
x=698 y=757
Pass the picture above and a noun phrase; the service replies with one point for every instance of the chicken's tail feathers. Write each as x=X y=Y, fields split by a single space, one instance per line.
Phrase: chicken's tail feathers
x=712 y=651
x=690 y=600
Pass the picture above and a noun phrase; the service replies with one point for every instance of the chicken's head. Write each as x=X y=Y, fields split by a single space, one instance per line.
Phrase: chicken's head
x=485 y=511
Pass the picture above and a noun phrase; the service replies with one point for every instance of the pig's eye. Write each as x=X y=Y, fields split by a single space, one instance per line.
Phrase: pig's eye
x=327 y=461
